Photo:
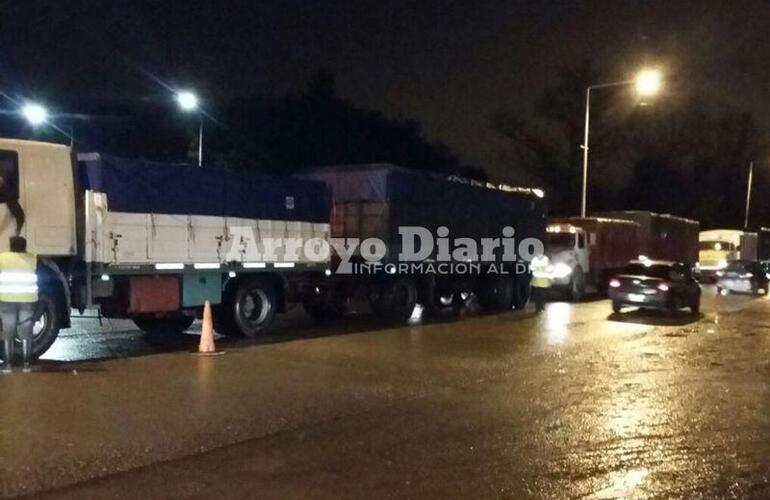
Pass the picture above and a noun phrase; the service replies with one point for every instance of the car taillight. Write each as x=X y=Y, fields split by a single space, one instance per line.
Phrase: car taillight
x=663 y=287
x=614 y=283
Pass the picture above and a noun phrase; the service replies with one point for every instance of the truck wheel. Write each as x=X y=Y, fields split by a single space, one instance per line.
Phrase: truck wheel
x=522 y=292
x=577 y=285
x=324 y=307
x=497 y=293
x=247 y=309
x=395 y=300
x=46 y=327
x=164 y=324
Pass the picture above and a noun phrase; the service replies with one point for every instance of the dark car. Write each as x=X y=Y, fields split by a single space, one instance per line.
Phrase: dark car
x=655 y=284
x=743 y=276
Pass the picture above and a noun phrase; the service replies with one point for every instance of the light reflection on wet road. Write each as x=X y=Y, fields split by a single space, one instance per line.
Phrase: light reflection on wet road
x=575 y=402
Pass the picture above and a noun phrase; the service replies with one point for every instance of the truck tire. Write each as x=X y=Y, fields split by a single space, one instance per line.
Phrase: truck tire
x=577 y=285
x=46 y=328
x=522 y=291
x=395 y=300
x=248 y=309
x=497 y=293
x=165 y=324
x=324 y=307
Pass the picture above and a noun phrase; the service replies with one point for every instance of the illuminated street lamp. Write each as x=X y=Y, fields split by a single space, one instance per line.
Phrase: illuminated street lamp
x=647 y=83
x=35 y=114
x=189 y=103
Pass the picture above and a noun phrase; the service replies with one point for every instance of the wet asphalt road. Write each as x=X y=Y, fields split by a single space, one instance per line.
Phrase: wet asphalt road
x=573 y=403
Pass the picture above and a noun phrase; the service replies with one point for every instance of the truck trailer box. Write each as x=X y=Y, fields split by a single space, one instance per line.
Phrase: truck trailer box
x=611 y=244
x=663 y=236
x=139 y=212
x=376 y=200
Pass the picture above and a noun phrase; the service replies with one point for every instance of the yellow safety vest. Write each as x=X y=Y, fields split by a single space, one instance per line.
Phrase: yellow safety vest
x=541 y=272
x=18 y=277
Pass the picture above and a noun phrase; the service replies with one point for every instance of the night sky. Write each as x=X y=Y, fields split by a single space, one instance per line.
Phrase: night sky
x=448 y=64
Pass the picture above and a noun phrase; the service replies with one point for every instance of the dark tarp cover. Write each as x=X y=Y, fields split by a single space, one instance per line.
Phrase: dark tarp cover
x=415 y=198
x=140 y=186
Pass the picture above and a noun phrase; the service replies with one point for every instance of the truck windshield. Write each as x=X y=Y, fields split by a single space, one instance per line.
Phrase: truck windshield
x=724 y=246
x=560 y=241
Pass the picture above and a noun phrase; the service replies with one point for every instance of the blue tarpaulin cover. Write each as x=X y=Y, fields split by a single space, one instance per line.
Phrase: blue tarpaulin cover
x=415 y=198
x=141 y=186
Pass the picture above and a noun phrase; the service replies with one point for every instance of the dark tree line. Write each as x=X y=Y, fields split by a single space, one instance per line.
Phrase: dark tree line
x=678 y=153
x=279 y=136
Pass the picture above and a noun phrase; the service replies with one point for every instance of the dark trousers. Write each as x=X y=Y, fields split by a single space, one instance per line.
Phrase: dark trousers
x=17 y=319
x=538 y=296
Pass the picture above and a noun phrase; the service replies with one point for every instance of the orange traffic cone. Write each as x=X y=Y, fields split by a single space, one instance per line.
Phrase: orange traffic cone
x=206 y=345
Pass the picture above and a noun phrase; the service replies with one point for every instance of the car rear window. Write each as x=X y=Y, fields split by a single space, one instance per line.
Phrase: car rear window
x=653 y=271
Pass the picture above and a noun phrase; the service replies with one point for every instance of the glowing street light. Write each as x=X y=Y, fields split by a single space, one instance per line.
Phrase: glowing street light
x=188 y=102
x=35 y=114
x=647 y=83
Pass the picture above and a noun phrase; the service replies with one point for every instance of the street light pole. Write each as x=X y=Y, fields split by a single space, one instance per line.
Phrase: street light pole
x=585 y=154
x=584 y=196
x=647 y=83
x=748 y=195
x=200 y=139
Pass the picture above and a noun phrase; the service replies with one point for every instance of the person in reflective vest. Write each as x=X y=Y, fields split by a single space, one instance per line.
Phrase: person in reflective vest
x=18 y=297
x=541 y=280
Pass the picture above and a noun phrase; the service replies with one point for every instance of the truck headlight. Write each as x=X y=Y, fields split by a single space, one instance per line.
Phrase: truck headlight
x=561 y=270
x=722 y=264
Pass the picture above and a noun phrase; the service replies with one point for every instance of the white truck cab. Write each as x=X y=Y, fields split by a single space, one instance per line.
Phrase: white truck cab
x=567 y=248
x=717 y=247
x=39 y=176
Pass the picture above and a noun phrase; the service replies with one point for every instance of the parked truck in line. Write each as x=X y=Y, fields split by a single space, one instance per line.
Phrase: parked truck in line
x=378 y=200
x=586 y=251
x=717 y=247
x=662 y=236
x=153 y=242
